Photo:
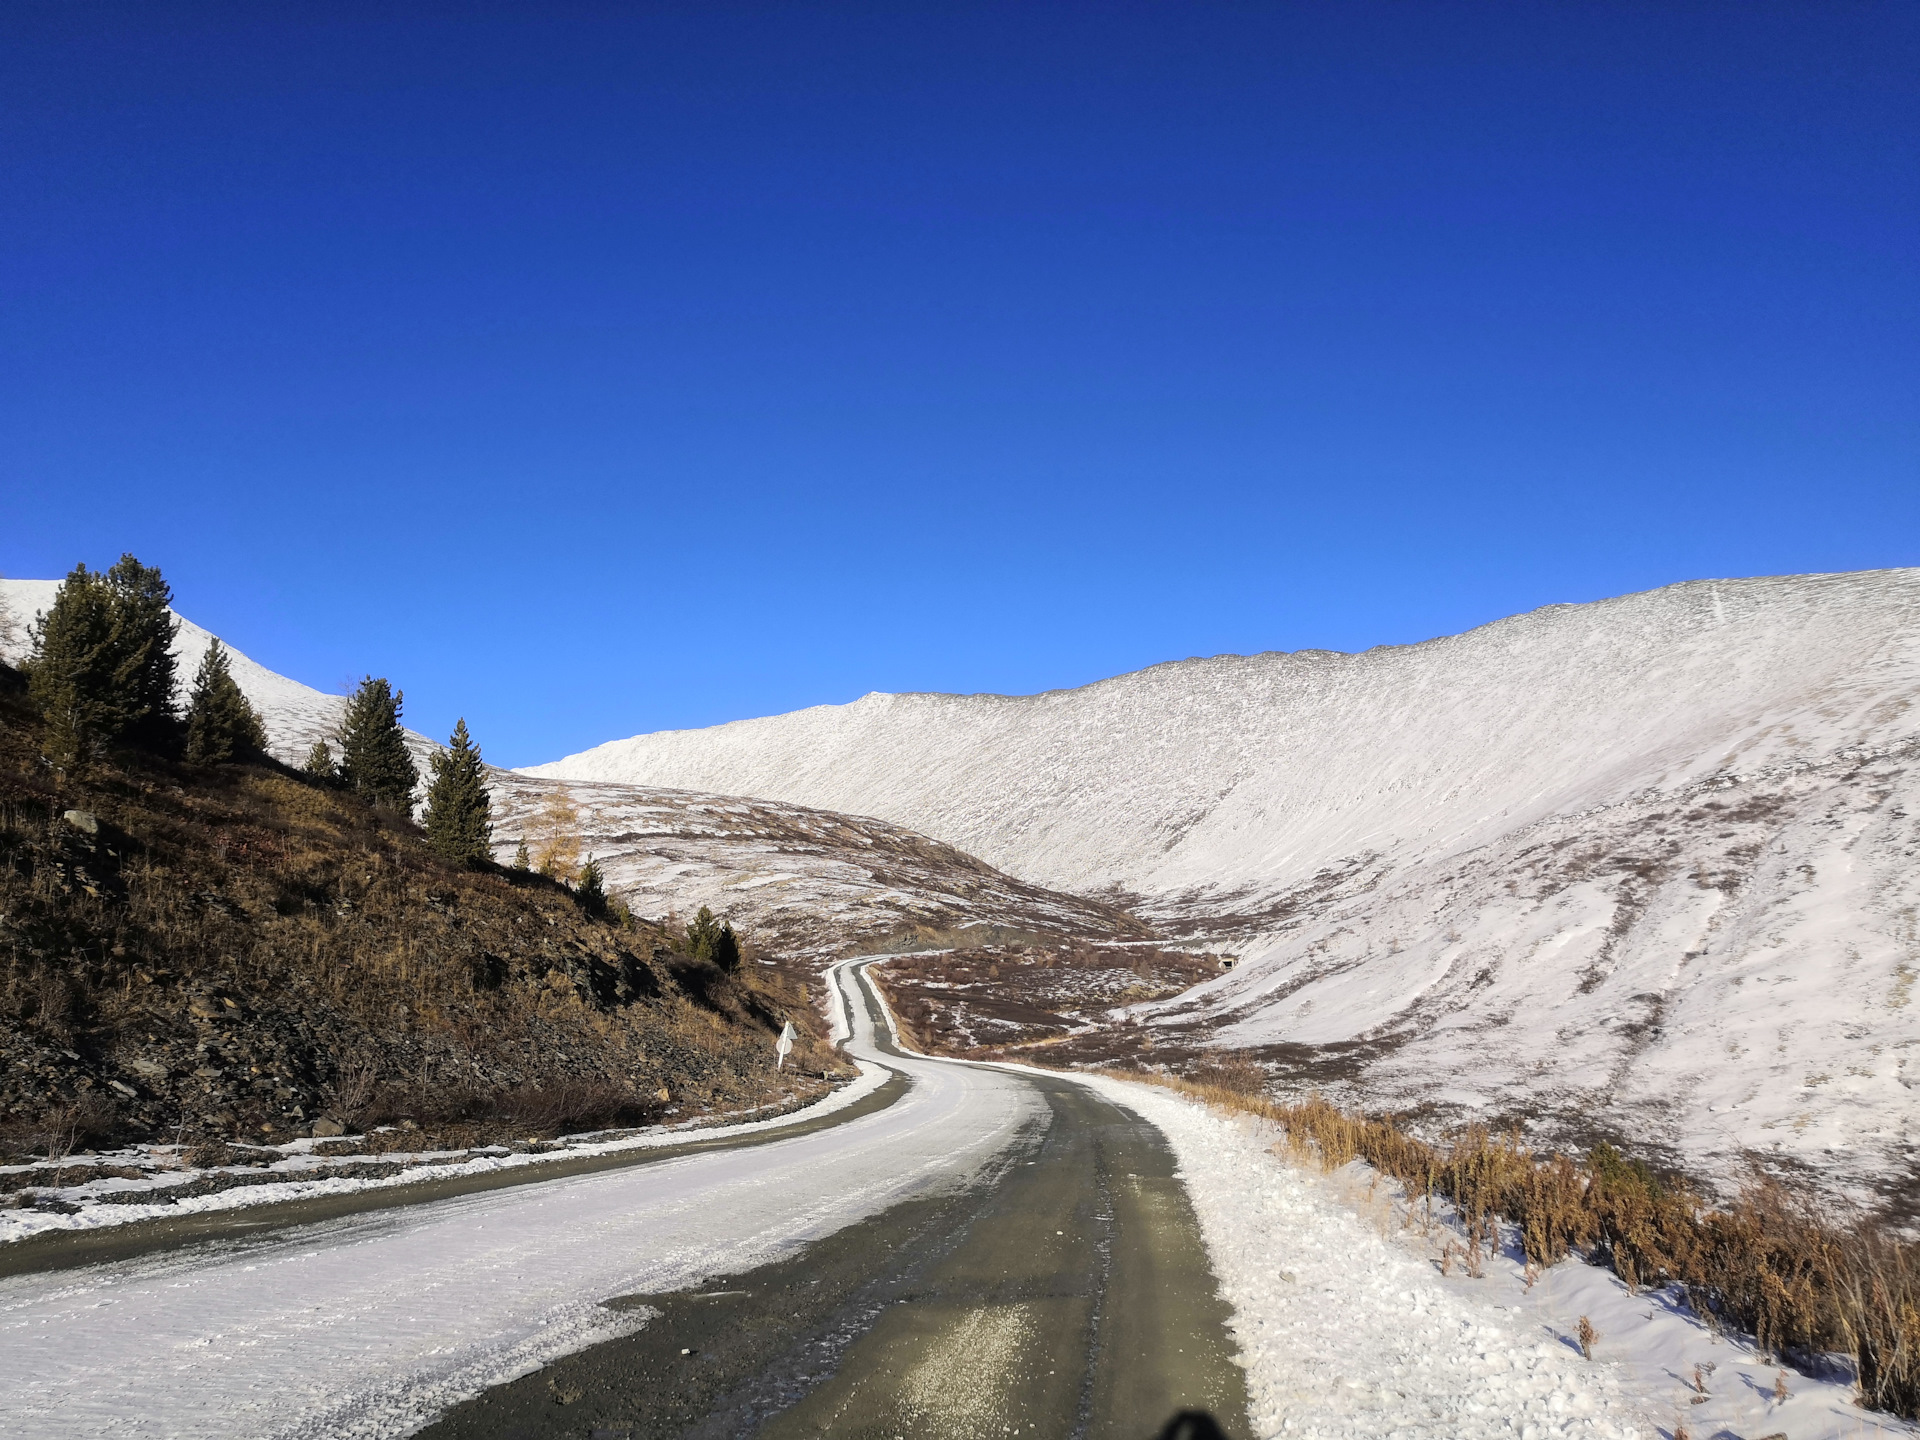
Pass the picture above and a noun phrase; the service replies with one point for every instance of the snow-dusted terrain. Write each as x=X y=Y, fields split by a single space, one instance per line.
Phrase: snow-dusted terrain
x=798 y=881
x=369 y=1326
x=1650 y=865
x=1347 y=1328
x=1649 y=862
x=795 y=880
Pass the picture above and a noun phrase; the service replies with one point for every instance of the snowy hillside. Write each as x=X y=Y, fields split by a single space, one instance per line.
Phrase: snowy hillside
x=801 y=882
x=795 y=880
x=1649 y=863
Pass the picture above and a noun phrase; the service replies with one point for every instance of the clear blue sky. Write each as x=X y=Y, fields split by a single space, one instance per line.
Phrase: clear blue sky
x=597 y=369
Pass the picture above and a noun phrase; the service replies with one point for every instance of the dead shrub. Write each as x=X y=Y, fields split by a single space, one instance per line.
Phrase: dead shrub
x=1588 y=1337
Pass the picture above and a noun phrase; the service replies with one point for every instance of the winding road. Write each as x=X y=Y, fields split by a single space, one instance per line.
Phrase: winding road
x=993 y=1252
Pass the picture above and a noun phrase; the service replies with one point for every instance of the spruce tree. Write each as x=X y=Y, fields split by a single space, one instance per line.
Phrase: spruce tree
x=144 y=669
x=374 y=762
x=459 y=812
x=703 y=935
x=221 y=724
x=726 y=948
x=320 y=764
x=521 y=861
x=591 y=891
x=102 y=664
x=72 y=674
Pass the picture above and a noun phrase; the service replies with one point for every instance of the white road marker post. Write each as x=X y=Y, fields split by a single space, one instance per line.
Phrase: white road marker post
x=783 y=1047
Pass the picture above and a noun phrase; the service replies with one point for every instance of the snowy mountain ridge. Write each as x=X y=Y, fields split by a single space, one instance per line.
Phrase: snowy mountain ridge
x=1646 y=866
x=1236 y=771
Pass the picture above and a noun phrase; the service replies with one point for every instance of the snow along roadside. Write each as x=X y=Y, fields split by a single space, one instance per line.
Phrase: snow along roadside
x=20 y=1224
x=1347 y=1329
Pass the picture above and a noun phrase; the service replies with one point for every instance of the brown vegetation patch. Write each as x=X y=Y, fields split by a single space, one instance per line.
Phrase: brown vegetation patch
x=1799 y=1282
x=240 y=951
x=988 y=1001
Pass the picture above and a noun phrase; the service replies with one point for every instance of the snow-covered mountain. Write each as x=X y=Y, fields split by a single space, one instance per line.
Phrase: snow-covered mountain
x=795 y=881
x=1648 y=863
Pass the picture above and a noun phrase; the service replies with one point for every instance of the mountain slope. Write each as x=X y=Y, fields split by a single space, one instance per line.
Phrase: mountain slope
x=1645 y=865
x=807 y=883
x=1257 y=770
x=798 y=881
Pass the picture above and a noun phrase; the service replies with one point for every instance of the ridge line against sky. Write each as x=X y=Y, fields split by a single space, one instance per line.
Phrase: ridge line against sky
x=593 y=372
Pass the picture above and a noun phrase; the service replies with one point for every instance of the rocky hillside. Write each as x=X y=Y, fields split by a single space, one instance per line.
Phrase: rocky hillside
x=237 y=952
x=1645 y=866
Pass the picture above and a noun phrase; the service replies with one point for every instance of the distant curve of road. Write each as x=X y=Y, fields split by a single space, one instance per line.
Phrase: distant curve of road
x=992 y=1253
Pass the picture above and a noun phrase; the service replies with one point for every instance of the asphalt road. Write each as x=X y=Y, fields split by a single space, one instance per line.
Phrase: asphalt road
x=1064 y=1293
x=981 y=1253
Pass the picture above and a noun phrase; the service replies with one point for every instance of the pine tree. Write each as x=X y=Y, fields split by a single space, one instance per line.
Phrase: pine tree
x=221 y=724
x=591 y=890
x=459 y=812
x=726 y=948
x=145 y=673
x=320 y=764
x=73 y=670
x=374 y=762
x=703 y=935
x=520 y=858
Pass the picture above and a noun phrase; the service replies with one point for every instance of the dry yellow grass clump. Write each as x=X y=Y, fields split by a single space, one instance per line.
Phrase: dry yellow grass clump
x=1767 y=1264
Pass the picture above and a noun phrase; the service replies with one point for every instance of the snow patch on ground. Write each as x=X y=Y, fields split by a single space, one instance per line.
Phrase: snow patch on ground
x=1348 y=1330
x=94 y=1215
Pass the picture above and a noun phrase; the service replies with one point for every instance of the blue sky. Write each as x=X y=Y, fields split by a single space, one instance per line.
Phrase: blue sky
x=598 y=369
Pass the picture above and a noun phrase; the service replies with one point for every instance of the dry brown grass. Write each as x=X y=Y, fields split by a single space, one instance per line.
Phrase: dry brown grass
x=1799 y=1282
x=240 y=950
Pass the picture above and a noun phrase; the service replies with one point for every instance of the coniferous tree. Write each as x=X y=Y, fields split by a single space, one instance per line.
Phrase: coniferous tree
x=555 y=830
x=521 y=861
x=145 y=672
x=102 y=664
x=72 y=673
x=703 y=935
x=222 y=724
x=726 y=948
x=459 y=812
x=320 y=764
x=374 y=762
x=591 y=890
